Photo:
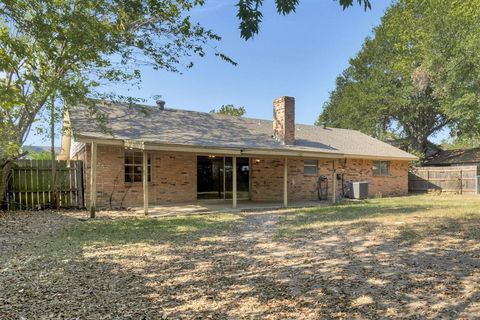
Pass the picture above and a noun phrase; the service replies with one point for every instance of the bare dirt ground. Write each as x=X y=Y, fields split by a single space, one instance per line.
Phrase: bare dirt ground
x=416 y=258
x=20 y=228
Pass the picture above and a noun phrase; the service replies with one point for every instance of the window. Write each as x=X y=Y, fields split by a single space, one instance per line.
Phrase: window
x=134 y=166
x=381 y=168
x=310 y=167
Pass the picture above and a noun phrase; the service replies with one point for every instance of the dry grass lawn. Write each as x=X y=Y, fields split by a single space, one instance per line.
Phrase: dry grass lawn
x=412 y=257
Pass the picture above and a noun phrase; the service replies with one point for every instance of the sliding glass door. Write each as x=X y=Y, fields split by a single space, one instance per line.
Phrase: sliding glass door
x=214 y=177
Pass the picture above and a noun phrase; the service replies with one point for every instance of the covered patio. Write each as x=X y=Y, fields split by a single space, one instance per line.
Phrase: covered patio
x=222 y=206
x=232 y=204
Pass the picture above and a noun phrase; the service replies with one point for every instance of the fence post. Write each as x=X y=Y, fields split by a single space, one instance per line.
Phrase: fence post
x=428 y=180
x=461 y=182
x=476 y=183
x=79 y=171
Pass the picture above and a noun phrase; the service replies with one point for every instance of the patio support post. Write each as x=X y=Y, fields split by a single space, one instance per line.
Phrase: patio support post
x=145 y=182
x=285 y=183
x=334 y=184
x=234 y=182
x=224 y=179
x=93 y=179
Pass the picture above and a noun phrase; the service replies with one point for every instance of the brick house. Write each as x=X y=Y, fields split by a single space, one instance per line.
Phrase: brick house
x=156 y=155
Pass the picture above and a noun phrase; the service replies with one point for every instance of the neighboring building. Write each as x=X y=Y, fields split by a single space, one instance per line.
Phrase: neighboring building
x=432 y=148
x=199 y=155
x=457 y=157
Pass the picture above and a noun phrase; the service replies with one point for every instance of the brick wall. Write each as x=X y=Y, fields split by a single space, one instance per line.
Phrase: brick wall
x=174 y=178
x=394 y=184
x=267 y=178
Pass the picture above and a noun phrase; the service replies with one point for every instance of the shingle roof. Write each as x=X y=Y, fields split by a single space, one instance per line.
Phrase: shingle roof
x=190 y=128
x=458 y=156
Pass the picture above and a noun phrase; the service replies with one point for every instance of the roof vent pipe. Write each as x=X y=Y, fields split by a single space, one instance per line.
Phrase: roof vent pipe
x=161 y=104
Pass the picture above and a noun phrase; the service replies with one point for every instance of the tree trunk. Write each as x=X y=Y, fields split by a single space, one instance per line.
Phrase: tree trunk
x=419 y=143
x=54 y=199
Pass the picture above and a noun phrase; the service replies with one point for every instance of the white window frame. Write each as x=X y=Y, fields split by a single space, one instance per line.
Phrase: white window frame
x=313 y=164
x=137 y=162
x=383 y=168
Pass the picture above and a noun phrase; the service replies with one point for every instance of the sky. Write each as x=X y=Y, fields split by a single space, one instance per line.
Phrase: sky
x=298 y=55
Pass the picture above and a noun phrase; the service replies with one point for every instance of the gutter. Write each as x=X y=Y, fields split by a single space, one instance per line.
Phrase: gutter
x=359 y=156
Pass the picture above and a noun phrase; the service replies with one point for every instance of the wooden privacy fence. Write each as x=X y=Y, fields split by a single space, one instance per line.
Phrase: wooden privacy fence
x=461 y=179
x=30 y=184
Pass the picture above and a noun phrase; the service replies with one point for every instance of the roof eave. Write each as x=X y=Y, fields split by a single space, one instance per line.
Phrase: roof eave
x=382 y=157
x=207 y=149
x=292 y=153
x=232 y=150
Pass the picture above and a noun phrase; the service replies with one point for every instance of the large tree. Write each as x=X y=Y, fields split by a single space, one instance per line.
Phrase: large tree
x=66 y=49
x=415 y=76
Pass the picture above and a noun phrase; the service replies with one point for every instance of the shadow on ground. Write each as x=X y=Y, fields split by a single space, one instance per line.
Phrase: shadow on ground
x=230 y=266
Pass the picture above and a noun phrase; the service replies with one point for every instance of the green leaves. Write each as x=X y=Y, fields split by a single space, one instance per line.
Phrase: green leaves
x=231 y=110
x=250 y=14
x=250 y=17
x=286 y=6
x=348 y=3
x=418 y=74
x=389 y=89
x=69 y=49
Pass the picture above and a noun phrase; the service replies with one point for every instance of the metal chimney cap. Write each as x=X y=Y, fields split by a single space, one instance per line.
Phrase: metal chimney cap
x=161 y=104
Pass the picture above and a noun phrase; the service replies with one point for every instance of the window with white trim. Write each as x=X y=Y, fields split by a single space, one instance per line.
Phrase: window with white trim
x=310 y=167
x=381 y=168
x=134 y=166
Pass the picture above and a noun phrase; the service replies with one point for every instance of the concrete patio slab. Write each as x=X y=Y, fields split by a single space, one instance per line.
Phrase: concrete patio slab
x=213 y=206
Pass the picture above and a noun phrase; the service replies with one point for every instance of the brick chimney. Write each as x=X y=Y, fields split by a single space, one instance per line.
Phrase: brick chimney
x=284 y=119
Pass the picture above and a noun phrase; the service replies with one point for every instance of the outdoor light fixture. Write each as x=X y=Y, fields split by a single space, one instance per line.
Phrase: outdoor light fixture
x=257 y=160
